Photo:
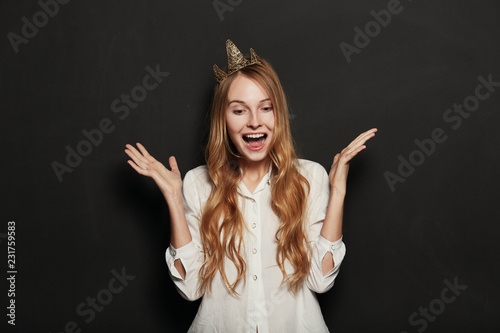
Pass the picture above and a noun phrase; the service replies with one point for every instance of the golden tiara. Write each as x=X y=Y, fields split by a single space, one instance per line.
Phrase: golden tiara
x=235 y=61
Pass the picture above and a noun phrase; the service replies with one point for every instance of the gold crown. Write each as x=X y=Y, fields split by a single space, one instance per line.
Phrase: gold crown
x=235 y=61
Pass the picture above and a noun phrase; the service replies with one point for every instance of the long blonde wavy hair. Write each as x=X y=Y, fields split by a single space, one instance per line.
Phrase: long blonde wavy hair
x=222 y=224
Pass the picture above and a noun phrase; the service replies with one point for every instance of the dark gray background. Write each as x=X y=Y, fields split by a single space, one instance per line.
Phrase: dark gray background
x=440 y=224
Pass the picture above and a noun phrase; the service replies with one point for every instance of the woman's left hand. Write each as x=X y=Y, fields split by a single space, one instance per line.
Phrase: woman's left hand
x=341 y=161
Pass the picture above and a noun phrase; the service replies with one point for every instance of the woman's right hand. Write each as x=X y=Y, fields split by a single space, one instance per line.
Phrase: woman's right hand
x=168 y=181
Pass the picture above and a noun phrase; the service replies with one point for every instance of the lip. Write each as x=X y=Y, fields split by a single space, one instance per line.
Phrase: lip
x=256 y=148
x=249 y=133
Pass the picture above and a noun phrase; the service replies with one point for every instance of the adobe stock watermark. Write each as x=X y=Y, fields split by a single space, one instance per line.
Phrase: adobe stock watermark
x=436 y=307
x=221 y=7
x=372 y=29
x=121 y=107
x=454 y=118
x=92 y=305
x=30 y=28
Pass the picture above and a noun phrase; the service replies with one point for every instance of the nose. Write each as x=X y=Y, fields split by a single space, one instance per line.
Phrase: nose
x=254 y=120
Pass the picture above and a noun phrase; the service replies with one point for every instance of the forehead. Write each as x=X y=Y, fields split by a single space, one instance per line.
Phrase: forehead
x=246 y=89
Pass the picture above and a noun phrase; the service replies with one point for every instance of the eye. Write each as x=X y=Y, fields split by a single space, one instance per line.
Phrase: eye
x=267 y=108
x=238 y=111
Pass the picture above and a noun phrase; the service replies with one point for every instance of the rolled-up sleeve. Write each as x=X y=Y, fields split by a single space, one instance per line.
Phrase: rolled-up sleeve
x=317 y=206
x=191 y=254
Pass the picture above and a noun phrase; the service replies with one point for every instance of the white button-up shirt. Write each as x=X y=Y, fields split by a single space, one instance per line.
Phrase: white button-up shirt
x=263 y=302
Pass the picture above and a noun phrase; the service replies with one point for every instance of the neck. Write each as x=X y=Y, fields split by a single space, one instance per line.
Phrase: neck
x=255 y=170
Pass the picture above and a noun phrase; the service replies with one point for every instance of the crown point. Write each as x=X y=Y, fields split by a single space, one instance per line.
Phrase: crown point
x=254 y=58
x=235 y=61
x=219 y=74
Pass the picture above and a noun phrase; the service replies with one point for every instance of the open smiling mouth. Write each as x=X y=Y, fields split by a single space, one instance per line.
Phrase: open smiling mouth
x=255 y=141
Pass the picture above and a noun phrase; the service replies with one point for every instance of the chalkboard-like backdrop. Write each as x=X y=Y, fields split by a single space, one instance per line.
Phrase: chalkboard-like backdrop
x=82 y=236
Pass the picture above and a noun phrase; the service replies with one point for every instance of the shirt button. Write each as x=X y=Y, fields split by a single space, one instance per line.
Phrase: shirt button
x=332 y=247
x=254 y=225
x=255 y=277
x=252 y=200
x=254 y=251
x=174 y=253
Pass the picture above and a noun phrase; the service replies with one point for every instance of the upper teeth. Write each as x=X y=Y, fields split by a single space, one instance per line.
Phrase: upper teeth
x=254 y=136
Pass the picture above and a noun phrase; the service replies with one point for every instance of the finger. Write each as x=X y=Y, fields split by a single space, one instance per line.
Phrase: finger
x=335 y=159
x=370 y=131
x=136 y=157
x=173 y=164
x=143 y=150
x=357 y=143
x=363 y=137
x=374 y=129
x=136 y=168
x=368 y=135
x=350 y=155
x=133 y=150
x=356 y=148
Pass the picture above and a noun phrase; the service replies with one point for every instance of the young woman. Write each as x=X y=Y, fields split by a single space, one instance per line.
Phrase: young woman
x=256 y=231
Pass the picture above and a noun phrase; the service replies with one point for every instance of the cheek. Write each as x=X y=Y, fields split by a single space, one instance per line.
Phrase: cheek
x=233 y=127
x=229 y=123
x=271 y=122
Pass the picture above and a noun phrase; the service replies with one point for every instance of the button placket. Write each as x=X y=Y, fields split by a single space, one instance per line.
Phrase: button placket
x=252 y=218
x=255 y=217
x=256 y=226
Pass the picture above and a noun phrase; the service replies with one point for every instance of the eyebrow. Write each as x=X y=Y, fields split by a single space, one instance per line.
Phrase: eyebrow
x=241 y=102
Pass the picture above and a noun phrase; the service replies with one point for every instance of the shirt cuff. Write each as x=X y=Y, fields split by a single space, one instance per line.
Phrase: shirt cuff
x=337 y=249
x=186 y=254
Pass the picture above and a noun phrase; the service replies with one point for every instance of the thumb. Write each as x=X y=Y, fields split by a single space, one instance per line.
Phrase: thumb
x=335 y=159
x=173 y=164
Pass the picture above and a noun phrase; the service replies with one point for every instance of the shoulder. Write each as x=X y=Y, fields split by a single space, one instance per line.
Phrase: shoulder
x=310 y=169
x=197 y=174
x=197 y=179
x=317 y=177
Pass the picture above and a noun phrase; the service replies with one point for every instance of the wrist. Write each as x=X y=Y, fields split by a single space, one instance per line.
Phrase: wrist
x=335 y=192
x=175 y=205
x=173 y=198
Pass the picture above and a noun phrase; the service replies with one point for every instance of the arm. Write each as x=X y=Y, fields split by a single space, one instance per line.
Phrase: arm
x=332 y=226
x=179 y=231
x=323 y=249
x=196 y=189
x=170 y=185
x=183 y=256
x=326 y=212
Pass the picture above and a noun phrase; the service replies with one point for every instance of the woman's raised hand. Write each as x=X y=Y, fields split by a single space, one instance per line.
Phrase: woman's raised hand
x=341 y=161
x=168 y=181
